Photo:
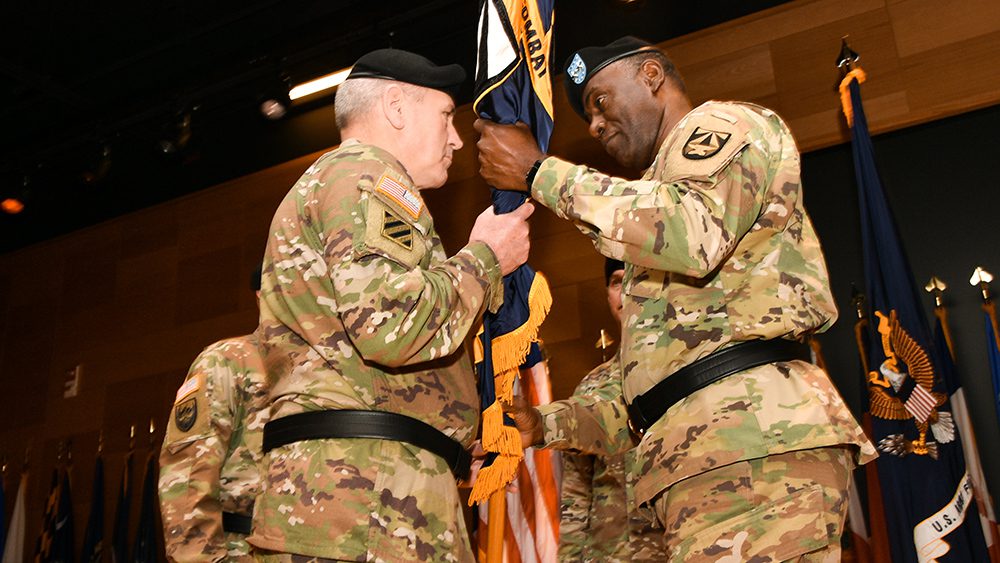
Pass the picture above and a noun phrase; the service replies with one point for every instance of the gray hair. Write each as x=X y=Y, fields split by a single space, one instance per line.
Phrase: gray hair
x=356 y=97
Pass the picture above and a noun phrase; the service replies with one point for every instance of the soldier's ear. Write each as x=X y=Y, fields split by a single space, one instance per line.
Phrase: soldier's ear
x=393 y=106
x=652 y=74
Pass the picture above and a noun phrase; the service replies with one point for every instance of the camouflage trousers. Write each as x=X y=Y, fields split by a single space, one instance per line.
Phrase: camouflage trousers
x=787 y=507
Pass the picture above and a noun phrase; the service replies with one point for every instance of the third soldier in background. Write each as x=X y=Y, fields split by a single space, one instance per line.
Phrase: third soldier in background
x=209 y=464
x=600 y=521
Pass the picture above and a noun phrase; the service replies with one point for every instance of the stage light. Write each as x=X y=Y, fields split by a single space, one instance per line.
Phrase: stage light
x=318 y=85
x=274 y=101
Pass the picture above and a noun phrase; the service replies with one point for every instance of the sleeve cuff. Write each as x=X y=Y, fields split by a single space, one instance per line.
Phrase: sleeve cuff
x=550 y=181
x=488 y=269
x=555 y=430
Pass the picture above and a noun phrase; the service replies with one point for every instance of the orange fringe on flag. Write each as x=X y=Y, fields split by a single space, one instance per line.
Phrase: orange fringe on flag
x=845 y=93
x=509 y=352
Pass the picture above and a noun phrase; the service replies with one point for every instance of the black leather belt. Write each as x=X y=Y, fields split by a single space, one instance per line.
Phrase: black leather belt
x=647 y=408
x=380 y=425
x=233 y=523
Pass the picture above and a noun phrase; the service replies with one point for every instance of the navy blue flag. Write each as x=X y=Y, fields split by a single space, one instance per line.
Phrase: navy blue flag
x=119 y=534
x=993 y=350
x=61 y=550
x=93 y=538
x=513 y=83
x=144 y=548
x=925 y=486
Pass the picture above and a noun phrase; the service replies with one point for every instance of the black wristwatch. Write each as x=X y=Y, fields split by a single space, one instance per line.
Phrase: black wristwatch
x=531 y=173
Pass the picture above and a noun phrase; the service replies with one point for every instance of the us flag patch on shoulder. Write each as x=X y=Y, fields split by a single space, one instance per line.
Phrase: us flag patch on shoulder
x=400 y=194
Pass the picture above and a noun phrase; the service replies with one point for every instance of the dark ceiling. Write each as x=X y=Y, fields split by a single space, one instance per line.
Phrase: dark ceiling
x=81 y=79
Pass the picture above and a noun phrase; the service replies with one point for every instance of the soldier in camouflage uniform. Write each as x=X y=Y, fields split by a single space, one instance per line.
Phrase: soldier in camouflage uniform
x=362 y=310
x=600 y=521
x=719 y=251
x=209 y=464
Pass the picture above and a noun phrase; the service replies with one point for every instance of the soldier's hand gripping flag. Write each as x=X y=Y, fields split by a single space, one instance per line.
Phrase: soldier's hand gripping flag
x=512 y=84
x=926 y=488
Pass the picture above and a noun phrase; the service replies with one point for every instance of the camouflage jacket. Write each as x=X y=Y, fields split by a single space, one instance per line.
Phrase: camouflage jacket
x=362 y=309
x=600 y=521
x=718 y=249
x=210 y=459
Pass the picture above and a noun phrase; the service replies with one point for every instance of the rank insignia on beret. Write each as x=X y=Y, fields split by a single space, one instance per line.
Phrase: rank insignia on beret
x=185 y=414
x=399 y=193
x=704 y=143
x=397 y=230
x=577 y=69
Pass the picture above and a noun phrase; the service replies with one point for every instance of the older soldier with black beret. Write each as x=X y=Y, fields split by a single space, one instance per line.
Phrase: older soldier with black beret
x=365 y=320
x=746 y=445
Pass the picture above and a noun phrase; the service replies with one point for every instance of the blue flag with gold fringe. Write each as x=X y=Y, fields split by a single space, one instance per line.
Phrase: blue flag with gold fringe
x=513 y=84
x=925 y=487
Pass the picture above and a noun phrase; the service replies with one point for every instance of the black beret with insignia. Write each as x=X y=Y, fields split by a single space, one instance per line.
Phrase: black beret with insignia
x=404 y=66
x=585 y=63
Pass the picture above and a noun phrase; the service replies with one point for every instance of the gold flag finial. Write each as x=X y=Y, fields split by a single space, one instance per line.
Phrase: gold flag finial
x=131 y=437
x=3 y=470
x=858 y=299
x=605 y=341
x=69 y=451
x=936 y=287
x=100 y=442
x=152 y=430
x=982 y=278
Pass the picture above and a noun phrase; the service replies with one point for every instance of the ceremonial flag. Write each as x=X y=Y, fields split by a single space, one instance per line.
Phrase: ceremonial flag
x=144 y=548
x=513 y=83
x=43 y=547
x=925 y=486
x=119 y=535
x=61 y=549
x=93 y=538
x=993 y=348
x=13 y=549
x=960 y=411
x=3 y=507
x=532 y=502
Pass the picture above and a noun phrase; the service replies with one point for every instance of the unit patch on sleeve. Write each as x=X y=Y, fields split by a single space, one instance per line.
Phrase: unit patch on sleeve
x=397 y=230
x=704 y=143
x=185 y=414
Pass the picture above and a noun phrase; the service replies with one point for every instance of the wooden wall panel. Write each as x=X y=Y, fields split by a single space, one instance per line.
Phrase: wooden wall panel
x=136 y=298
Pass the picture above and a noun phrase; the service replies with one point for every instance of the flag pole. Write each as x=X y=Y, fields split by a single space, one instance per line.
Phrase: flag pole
x=497 y=527
x=982 y=278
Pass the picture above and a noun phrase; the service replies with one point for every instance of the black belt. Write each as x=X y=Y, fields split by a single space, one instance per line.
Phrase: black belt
x=647 y=408
x=380 y=425
x=233 y=523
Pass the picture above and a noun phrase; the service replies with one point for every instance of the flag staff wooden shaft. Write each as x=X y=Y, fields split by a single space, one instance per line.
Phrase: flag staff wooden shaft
x=497 y=526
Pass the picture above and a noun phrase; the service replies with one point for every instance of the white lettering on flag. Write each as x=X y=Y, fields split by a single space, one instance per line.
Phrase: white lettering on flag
x=927 y=535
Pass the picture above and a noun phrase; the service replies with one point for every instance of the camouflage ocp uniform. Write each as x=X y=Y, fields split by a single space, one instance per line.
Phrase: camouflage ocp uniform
x=600 y=520
x=718 y=250
x=362 y=309
x=209 y=463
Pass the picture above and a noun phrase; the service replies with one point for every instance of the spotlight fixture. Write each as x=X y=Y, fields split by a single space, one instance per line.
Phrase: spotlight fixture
x=178 y=134
x=274 y=102
x=102 y=167
x=318 y=85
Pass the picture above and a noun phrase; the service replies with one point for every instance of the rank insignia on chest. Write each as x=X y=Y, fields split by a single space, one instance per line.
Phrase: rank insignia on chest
x=185 y=414
x=397 y=230
x=704 y=143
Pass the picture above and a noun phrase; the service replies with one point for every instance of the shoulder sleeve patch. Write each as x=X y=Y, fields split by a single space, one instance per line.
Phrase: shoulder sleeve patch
x=390 y=234
x=191 y=385
x=395 y=192
x=706 y=143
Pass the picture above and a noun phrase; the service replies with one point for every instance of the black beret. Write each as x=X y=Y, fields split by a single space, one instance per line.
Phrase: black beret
x=585 y=63
x=394 y=64
x=611 y=266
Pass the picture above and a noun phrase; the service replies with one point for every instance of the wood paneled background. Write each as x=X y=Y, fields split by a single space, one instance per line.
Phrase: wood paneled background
x=135 y=299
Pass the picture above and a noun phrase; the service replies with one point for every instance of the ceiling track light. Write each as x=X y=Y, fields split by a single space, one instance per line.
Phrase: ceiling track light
x=275 y=100
x=102 y=167
x=178 y=134
x=318 y=85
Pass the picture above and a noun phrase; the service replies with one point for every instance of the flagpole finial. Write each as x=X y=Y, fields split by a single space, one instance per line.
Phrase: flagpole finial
x=152 y=430
x=100 y=442
x=848 y=57
x=59 y=452
x=936 y=287
x=69 y=451
x=982 y=278
x=858 y=299
x=3 y=470
x=131 y=437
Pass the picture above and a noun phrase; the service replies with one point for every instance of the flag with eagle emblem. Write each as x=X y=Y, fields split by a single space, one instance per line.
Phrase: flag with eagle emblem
x=925 y=486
